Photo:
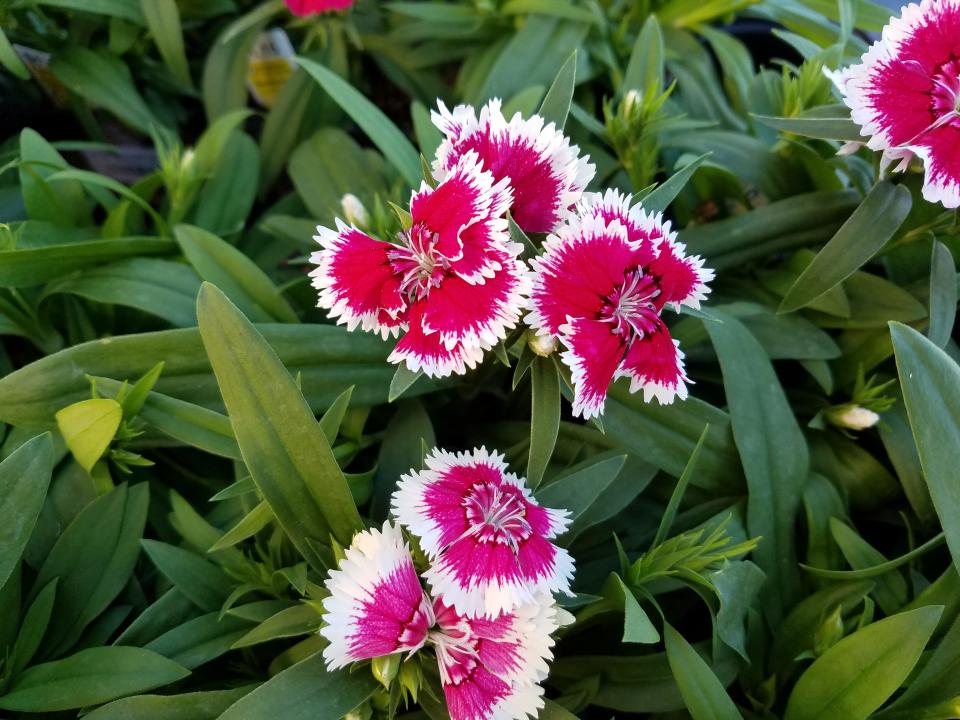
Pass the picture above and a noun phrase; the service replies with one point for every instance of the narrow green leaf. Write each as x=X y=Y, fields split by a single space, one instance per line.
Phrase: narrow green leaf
x=224 y=83
x=544 y=418
x=326 y=357
x=795 y=635
x=637 y=627
x=930 y=380
x=282 y=444
x=205 y=584
x=93 y=558
x=291 y=622
x=667 y=191
x=830 y=122
x=872 y=224
x=857 y=675
x=428 y=135
x=90 y=677
x=773 y=452
x=34 y=266
x=943 y=295
x=237 y=275
x=540 y=47
x=206 y=705
x=248 y=526
x=24 y=478
x=938 y=681
x=644 y=73
x=673 y=505
x=884 y=567
x=378 y=127
x=703 y=694
x=105 y=81
x=10 y=60
x=305 y=691
x=333 y=417
x=163 y=21
x=665 y=436
x=135 y=398
x=402 y=380
x=34 y=625
x=163 y=288
x=891 y=588
x=577 y=490
x=556 y=103
x=200 y=640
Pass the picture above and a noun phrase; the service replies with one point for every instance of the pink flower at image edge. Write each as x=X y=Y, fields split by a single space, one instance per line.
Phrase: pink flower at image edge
x=315 y=7
x=905 y=94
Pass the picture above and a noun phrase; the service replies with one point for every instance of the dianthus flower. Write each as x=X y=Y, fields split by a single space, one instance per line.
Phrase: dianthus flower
x=490 y=667
x=905 y=94
x=454 y=281
x=600 y=287
x=315 y=7
x=487 y=538
x=545 y=171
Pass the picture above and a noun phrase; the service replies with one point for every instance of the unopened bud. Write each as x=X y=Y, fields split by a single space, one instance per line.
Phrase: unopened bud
x=385 y=668
x=542 y=345
x=829 y=633
x=353 y=211
x=630 y=101
x=852 y=417
x=410 y=678
x=363 y=712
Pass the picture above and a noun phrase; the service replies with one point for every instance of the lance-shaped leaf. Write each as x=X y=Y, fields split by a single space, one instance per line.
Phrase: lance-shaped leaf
x=281 y=442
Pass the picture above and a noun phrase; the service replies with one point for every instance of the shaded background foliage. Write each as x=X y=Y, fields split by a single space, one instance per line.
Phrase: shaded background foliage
x=169 y=505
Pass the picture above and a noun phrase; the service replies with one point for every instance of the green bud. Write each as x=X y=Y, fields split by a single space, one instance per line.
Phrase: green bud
x=411 y=676
x=829 y=633
x=385 y=668
x=363 y=712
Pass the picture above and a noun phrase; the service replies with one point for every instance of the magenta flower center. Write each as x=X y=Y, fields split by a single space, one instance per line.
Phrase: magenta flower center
x=455 y=645
x=418 y=261
x=631 y=308
x=946 y=88
x=497 y=514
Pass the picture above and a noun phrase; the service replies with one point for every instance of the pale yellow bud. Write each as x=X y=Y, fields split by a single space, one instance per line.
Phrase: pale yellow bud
x=353 y=211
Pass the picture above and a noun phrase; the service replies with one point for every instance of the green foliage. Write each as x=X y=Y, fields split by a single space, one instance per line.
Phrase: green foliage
x=188 y=444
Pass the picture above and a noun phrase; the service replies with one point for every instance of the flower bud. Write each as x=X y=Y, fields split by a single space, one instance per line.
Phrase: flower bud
x=353 y=211
x=852 y=417
x=542 y=345
x=630 y=101
x=829 y=633
x=410 y=678
x=385 y=668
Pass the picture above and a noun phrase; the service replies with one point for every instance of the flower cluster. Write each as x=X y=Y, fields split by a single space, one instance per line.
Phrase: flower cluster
x=489 y=614
x=905 y=95
x=455 y=283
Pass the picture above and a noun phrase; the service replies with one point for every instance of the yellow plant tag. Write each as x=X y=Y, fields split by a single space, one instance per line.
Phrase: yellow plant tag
x=271 y=65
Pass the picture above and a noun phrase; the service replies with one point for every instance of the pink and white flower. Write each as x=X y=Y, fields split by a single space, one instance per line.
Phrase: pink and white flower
x=600 y=287
x=490 y=667
x=488 y=539
x=545 y=171
x=377 y=605
x=453 y=282
x=905 y=94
